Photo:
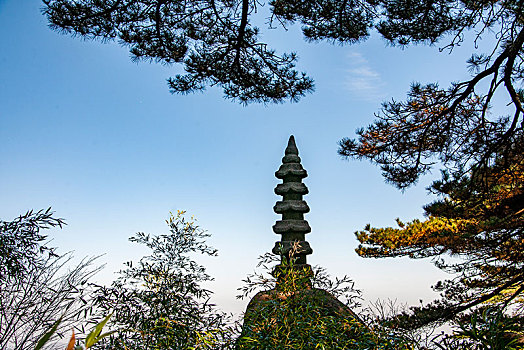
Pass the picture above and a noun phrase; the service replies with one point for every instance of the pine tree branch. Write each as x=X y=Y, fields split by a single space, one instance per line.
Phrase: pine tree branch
x=241 y=32
x=517 y=280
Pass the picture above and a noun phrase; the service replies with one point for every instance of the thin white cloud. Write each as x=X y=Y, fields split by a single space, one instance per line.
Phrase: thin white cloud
x=361 y=80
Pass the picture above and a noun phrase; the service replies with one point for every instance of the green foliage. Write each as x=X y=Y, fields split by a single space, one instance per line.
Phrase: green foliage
x=301 y=325
x=21 y=242
x=487 y=328
x=295 y=314
x=159 y=303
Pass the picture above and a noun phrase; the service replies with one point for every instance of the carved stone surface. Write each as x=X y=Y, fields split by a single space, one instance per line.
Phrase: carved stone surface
x=294 y=169
x=291 y=205
x=291 y=187
x=295 y=226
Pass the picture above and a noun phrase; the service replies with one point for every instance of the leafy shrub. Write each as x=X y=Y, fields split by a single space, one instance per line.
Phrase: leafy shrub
x=159 y=303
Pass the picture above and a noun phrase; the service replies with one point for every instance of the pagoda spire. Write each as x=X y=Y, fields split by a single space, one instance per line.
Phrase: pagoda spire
x=292 y=207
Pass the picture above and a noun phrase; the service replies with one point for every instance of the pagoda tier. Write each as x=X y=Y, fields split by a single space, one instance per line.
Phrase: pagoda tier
x=292 y=207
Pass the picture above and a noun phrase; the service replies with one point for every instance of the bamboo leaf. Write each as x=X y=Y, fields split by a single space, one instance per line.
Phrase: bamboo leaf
x=45 y=338
x=92 y=337
x=106 y=334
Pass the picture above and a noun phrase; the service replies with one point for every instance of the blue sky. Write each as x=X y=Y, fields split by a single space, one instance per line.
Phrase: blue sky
x=101 y=140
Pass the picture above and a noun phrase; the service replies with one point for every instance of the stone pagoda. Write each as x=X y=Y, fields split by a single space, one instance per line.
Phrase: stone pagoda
x=292 y=207
x=293 y=250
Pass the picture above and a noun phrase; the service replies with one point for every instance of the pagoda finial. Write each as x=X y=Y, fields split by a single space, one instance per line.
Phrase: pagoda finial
x=291 y=146
x=292 y=227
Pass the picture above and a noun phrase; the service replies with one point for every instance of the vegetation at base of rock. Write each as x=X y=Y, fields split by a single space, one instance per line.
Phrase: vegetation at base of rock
x=293 y=311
